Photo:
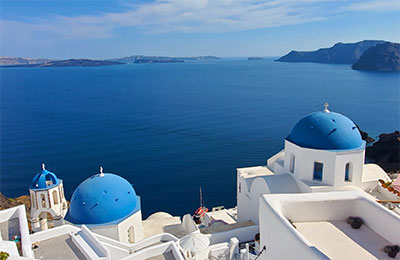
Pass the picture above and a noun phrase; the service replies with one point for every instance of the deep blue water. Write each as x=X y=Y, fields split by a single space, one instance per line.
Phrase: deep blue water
x=170 y=128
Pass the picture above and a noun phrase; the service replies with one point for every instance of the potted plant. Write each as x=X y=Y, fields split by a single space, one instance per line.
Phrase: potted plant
x=4 y=255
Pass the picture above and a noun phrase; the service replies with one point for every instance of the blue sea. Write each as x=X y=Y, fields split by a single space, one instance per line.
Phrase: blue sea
x=171 y=128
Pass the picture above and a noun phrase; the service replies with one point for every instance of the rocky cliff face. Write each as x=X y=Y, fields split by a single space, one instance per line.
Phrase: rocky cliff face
x=6 y=203
x=365 y=136
x=382 y=57
x=386 y=151
x=340 y=53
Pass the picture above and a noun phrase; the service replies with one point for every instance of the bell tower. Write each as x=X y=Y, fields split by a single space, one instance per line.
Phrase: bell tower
x=48 y=204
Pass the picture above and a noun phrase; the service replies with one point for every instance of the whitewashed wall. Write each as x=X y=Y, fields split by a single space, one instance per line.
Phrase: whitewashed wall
x=134 y=220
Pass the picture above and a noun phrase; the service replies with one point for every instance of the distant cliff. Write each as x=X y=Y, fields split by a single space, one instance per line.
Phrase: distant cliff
x=160 y=59
x=21 y=61
x=70 y=63
x=382 y=57
x=145 y=59
x=340 y=53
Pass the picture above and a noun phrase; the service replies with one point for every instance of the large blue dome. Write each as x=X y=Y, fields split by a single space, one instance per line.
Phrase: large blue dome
x=326 y=131
x=103 y=199
x=44 y=180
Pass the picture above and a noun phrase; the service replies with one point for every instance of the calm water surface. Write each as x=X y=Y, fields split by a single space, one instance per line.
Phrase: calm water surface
x=170 y=128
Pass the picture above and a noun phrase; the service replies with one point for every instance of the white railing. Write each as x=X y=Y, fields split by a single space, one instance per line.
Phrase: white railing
x=90 y=245
x=164 y=237
x=157 y=250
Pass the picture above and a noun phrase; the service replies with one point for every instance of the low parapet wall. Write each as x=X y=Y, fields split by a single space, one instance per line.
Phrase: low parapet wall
x=20 y=214
x=243 y=234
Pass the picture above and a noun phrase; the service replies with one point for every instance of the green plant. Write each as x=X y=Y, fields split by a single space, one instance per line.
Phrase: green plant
x=4 y=255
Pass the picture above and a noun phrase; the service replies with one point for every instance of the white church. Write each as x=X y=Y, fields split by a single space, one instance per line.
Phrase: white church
x=298 y=206
x=324 y=152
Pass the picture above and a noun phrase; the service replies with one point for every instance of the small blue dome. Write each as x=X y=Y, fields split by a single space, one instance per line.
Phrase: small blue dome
x=326 y=131
x=44 y=180
x=102 y=199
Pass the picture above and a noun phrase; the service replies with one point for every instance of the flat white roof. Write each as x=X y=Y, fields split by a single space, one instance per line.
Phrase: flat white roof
x=249 y=172
x=320 y=223
x=337 y=240
x=60 y=247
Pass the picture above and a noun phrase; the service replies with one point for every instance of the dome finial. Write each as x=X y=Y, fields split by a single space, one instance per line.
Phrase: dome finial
x=43 y=166
x=101 y=172
x=326 y=110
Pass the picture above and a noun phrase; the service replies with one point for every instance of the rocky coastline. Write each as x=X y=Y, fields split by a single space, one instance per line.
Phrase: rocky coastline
x=367 y=55
x=386 y=152
x=382 y=57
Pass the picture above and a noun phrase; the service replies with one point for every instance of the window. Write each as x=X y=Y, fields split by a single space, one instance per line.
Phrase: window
x=55 y=197
x=62 y=192
x=292 y=163
x=131 y=234
x=318 y=169
x=347 y=172
x=43 y=199
x=33 y=200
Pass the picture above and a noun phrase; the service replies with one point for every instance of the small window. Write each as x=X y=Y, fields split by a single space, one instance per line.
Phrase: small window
x=318 y=169
x=131 y=234
x=347 y=173
x=292 y=163
x=55 y=197
x=43 y=199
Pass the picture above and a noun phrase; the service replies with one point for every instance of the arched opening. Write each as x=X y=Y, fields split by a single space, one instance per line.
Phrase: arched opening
x=318 y=170
x=49 y=180
x=62 y=192
x=292 y=163
x=33 y=200
x=55 y=197
x=131 y=234
x=43 y=200
x=348 y=174
x=46 y=220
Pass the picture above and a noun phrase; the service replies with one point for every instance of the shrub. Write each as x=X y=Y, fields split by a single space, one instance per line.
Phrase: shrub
x=4 y=255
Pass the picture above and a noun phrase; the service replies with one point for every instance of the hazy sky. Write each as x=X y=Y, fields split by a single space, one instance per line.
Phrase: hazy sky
x=105 y=29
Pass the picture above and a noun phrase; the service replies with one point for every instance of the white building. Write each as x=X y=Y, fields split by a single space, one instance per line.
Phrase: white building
x=314 y=226
x=324 y=152
x=47 y=197
x=107 y=204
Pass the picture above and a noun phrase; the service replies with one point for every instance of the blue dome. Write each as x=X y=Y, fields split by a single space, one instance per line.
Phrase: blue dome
x=102 y=200
x=326 y=131
x=44 y=180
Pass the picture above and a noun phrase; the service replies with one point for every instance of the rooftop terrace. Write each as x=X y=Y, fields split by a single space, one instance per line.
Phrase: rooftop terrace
x=361 y=243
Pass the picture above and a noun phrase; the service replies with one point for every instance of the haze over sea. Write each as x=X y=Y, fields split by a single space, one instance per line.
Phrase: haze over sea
x=170 y=128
